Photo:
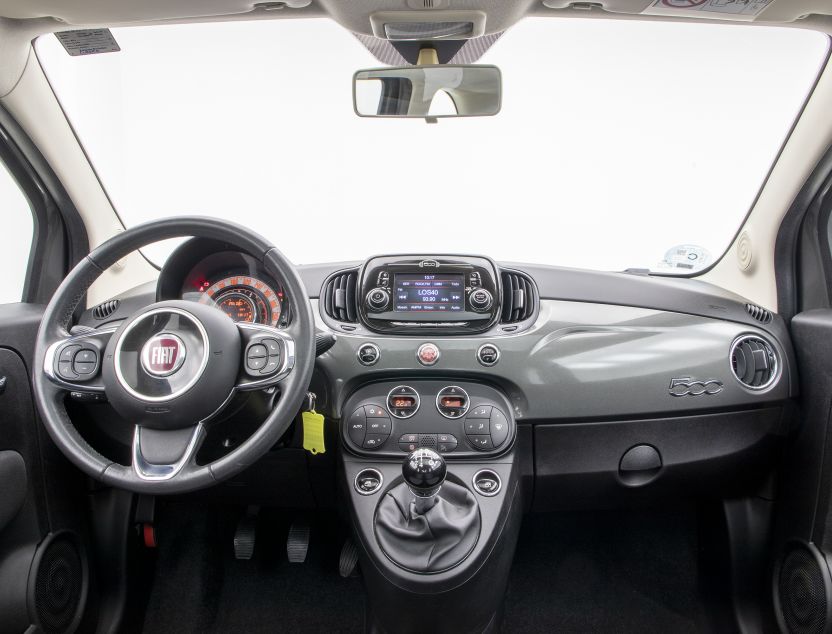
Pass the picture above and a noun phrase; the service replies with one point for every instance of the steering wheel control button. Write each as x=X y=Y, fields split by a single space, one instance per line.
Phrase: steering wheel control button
x=445 y=443
x=481 y=442
x=86 y=355
x=65 y=370
x=357 y=426
x=487 y=483
x=428 y=354
x=368 y=354
x=68 y=353
x=499 y=427
x=378 y=299
x=452 y=402
x=480 y=300
x=488 y=354
x=272 y=347
x=255 y=364
x=368 y=481
x=403 y=401
x=82 y=368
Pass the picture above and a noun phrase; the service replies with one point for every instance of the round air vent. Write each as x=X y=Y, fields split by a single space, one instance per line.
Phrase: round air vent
x=754 y=362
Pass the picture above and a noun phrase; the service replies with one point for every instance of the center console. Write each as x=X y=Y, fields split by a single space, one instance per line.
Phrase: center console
x=432 y=481
x=451 y=294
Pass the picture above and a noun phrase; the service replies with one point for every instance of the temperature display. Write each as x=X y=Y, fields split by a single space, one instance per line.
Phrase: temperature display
x=429 y=293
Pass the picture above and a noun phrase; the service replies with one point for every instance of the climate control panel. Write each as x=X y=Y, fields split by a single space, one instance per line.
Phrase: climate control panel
x=455 y=419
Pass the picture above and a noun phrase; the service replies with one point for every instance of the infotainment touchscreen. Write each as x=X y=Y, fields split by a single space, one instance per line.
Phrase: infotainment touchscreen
x=429 y=293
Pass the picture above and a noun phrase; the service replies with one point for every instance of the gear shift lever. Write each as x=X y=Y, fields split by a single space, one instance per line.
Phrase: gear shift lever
x=424 y=472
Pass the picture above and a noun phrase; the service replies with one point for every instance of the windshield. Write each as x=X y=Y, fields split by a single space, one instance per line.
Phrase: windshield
x=620 y=144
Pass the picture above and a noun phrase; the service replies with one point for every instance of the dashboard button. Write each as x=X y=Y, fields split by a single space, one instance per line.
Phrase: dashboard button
x=428 y=354
x=357 y=426
x=378 y=425
x=480 y=300
x=488 y=355
x=446 y=443
x=368 y=354
x=374 y=441
x=480 y=411
x=375 y=411
x=477 y=426
x=499 y=427
x=483 y=443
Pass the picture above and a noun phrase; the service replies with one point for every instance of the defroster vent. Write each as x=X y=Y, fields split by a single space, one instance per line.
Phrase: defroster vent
x=105 y=309
x=754 y=362
x=338 y=296
x=519 y=297
x=759 y=313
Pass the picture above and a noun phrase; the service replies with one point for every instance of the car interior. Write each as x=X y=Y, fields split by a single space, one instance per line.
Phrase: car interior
x=396 y=316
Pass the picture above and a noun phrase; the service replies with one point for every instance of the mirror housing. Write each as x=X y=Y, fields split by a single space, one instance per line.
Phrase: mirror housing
x=434 y=91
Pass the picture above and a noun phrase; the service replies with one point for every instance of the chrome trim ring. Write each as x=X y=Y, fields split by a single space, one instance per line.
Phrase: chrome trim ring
x=467 y=402
x=428 y=364
x=496 y=477
x=206 y=353
x=371 y=470
x=483 y=363
x=390 y=409
x=775 y=372
x=368 y=345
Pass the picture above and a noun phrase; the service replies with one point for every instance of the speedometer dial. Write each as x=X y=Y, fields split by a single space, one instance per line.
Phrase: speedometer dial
x=244 y=298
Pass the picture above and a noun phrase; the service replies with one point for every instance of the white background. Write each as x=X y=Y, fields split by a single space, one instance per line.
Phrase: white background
x=617 y=139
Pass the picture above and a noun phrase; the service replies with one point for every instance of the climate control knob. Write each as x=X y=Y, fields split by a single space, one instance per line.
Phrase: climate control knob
x=480 y=299
x=378 y=299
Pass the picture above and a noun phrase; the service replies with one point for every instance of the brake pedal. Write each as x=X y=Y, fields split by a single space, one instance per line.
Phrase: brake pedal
x=246 y=535
x=348 y=560
x=297 y=543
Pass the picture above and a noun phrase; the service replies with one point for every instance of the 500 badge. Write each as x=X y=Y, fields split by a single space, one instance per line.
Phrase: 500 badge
x=687 y=386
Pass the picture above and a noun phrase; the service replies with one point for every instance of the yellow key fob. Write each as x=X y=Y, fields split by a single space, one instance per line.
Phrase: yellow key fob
x=313 y=432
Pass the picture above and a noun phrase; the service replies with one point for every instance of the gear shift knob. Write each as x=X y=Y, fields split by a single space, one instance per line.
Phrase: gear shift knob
x=424 y=471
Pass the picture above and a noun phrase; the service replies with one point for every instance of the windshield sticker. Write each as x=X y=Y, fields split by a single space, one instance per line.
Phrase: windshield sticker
x=742 y=9
x=686 y=257
x=88 y=42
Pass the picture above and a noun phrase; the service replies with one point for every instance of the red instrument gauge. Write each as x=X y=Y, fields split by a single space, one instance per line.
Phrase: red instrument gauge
x=244 y=299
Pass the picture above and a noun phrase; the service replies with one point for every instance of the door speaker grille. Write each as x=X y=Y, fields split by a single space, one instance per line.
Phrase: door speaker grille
x=58 y=584
x=803 y=590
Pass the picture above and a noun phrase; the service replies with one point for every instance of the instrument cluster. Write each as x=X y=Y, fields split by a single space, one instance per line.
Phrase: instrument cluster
x=215 y=274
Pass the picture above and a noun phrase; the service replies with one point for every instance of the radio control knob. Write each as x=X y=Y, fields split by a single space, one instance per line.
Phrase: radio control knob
x=378 y=299
x=480 y=299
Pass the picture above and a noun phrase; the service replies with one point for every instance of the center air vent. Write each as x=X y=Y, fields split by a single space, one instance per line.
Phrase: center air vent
x=754 y=362
x=338 y=296
x=519 y=297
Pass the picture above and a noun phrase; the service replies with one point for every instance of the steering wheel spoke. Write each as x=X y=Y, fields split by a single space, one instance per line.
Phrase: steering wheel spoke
x=268 y=356
x=74 y=362
x=160 y=454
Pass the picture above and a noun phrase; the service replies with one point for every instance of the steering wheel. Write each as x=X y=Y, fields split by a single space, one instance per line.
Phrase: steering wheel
x=171 y=367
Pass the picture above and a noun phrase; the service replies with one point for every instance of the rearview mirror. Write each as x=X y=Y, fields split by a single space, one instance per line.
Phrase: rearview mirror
x=428 y=91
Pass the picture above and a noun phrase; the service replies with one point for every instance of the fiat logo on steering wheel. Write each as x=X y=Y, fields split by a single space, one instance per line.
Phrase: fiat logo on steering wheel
x=163 y=355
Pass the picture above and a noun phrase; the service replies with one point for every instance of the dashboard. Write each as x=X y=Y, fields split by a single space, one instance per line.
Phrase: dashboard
x=575 y=369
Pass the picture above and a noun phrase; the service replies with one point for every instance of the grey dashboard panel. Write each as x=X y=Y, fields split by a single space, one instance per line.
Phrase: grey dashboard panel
x=580 y=361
